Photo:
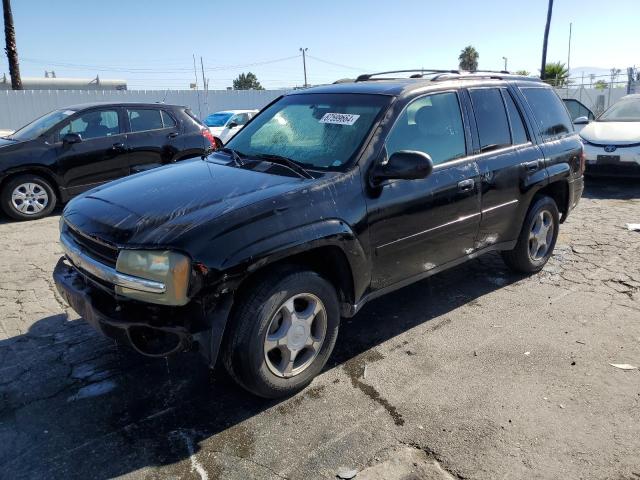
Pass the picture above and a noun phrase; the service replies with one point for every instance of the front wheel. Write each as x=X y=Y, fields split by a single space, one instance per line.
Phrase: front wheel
x=28 y=197
x=282 y=333
x=537 y=238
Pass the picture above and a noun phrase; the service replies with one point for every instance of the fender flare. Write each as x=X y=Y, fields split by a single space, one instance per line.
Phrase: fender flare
x=326 y=233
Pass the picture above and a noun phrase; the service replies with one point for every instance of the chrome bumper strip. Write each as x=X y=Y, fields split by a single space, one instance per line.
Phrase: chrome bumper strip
x=105 y=272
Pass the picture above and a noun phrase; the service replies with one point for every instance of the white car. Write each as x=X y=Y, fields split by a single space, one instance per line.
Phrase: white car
x=224 y=125
x=612 y=141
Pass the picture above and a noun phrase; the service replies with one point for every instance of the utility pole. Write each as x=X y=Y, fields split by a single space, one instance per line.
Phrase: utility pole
x=205 y=87
x=569 y=52
x=304 y=64
x=505 y=63
x=11 y=49
x=195 y=74
x=546 y=40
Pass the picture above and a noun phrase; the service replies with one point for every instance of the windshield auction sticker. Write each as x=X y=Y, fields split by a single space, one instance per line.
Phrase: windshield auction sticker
x=339 y=118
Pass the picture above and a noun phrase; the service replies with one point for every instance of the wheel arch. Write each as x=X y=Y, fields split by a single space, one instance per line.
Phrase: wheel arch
x=559 y=191
x=336 y=254
x=38 y=171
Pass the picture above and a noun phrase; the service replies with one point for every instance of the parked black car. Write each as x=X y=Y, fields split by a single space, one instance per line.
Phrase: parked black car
x=328 y=198
x=70 y=150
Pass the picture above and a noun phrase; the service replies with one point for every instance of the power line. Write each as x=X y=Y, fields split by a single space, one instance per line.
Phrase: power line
x=338 y=64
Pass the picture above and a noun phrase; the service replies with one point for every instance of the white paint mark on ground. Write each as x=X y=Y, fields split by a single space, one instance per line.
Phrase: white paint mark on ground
x=196 y=466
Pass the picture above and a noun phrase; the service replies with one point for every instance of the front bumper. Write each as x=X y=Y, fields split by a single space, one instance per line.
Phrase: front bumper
x=151 y=330
x=628 y=163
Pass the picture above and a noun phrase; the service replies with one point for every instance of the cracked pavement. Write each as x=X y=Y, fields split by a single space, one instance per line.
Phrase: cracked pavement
x=475 y=373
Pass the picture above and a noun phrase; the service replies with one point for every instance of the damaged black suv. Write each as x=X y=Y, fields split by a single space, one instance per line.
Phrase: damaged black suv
x=328 y=198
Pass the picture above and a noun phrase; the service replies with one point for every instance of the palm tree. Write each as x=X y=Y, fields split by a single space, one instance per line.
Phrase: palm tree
x=12 y=51
x=556 y=74
x=546 y=39
x=469 y=59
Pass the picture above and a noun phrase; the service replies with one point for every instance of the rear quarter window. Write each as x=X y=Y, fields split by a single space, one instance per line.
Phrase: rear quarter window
x=552 y=119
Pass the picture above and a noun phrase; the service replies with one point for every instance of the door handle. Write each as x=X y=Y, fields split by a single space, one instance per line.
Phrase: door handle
x=533 y=166
x=466 y=185
x=172 y=135
x=117 y=146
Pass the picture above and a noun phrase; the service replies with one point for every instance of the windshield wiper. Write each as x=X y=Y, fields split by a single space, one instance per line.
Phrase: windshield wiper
x=237 y=159
x=287 y=162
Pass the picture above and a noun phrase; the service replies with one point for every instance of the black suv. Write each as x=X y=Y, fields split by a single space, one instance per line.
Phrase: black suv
x=71 y=150
x=328 y=198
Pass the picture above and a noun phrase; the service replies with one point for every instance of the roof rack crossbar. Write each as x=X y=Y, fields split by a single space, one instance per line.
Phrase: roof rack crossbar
x=420 y=71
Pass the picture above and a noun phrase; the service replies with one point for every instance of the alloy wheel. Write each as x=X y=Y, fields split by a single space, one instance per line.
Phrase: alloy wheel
x=295 y=335
x=541 y=235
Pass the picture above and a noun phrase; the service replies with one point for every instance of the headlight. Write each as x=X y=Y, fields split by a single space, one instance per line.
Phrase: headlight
x=171 y=268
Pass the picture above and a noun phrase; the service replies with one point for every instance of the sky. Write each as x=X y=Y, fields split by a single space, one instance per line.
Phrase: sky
x=151 y=44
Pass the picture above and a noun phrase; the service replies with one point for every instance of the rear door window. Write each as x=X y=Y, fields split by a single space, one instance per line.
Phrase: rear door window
x=143 y=119
x=167 y=120
x=551 y=116
x=518 y=130
x=491 y=118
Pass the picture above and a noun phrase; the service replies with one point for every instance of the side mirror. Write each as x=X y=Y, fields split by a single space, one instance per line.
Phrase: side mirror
x=403 y=165
x=232 y=125
x=581 y=120
x=71 y=138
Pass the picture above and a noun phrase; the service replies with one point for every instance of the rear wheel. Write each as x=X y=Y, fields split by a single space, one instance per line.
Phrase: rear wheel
x=537 y=238
x=28 y=197
x=282 y=333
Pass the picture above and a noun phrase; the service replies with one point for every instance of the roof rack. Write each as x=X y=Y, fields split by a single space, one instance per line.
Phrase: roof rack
x=419 y=72
x=448 y=74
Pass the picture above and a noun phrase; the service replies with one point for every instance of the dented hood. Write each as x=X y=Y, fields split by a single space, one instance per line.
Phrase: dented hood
x=159 y=206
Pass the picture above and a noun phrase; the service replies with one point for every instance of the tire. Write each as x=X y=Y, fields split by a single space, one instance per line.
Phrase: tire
x=522 y=258
x=260 y=367
x=28 y=197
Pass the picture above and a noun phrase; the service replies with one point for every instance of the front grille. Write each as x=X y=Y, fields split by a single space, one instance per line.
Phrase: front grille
x=98 y=250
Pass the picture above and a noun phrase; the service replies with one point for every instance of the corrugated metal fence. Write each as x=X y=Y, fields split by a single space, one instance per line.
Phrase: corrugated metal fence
x=17 y=108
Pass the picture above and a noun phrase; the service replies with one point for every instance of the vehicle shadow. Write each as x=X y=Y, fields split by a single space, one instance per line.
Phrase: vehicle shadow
x=612 y=188
x=74 y=405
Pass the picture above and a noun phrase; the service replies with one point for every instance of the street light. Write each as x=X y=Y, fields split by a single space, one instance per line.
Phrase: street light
x=304 y=64
x=505 y=63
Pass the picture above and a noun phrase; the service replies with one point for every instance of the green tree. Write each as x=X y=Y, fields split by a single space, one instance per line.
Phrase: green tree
x=556 y=74
x=524 y=73
x=469 y=59
x=247 y=81
x=600 y=85
x=11 y=49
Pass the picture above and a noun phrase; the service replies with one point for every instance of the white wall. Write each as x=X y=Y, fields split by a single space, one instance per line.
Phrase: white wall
x=17 y=108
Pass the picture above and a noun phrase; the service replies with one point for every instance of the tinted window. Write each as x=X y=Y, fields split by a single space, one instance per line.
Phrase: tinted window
x=431 y=124
x=577 y=109
x=168 y=120
x=551 y=116
x=144 y=119
x=491 y=118
x=518 y=130
x=94 y=124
